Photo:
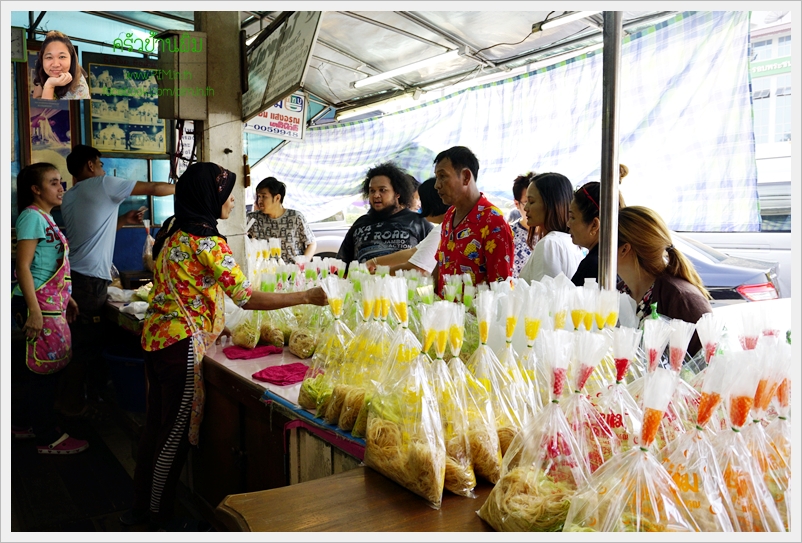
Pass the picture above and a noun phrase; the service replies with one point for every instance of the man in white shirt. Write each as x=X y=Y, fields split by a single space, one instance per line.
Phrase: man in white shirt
x=90 y=211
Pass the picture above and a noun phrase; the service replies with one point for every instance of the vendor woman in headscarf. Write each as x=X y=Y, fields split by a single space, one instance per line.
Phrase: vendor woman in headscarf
x=194 y=266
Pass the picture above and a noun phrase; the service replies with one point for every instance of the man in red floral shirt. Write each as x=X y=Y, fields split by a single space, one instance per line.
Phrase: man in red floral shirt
x=475 y=237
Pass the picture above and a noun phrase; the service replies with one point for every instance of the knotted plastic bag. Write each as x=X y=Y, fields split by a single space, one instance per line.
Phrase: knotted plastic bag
x=632 y=492
x=543 y=466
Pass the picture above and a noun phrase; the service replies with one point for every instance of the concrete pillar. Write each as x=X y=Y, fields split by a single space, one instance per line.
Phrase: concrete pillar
x=221 y=133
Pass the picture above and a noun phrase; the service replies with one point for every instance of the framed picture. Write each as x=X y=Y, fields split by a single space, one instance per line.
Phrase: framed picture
x=48 y=128
x=122 y=119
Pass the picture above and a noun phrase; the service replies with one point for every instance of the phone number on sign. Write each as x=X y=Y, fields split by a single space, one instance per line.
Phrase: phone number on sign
x=277 y=127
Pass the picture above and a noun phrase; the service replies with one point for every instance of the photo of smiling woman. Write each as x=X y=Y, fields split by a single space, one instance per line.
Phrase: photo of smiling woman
x=389 y=226
x=58 y=75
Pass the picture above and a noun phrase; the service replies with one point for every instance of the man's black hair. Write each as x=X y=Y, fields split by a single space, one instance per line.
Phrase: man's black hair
x=399 y=179
x=460 y=157
x=431 y=205
x=274 y=186
x=79 y=156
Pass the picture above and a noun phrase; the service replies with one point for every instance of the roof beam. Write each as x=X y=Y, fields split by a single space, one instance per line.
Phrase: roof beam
x=420 y=21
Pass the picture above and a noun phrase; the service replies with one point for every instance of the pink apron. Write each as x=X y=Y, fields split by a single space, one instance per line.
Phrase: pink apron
x=51 y=350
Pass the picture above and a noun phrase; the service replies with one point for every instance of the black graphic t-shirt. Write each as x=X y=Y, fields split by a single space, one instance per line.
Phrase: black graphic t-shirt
x=372 y=236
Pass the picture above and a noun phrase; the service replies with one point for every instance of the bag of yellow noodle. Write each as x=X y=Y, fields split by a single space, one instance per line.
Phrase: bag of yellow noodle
x=404 y=432
x=542 y=468
x=632 y=492
x=330 y=353
x=245 y=328
x=459 y=477
x=486 y=368
x=375 y=357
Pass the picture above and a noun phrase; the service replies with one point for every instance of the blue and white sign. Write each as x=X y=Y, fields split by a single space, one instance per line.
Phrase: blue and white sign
x=286 y=119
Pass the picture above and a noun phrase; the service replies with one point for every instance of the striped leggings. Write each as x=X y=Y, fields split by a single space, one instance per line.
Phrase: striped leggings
x=164 y=445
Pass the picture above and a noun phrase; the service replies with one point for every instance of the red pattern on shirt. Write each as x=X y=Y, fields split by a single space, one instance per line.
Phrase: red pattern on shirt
x=480 y=245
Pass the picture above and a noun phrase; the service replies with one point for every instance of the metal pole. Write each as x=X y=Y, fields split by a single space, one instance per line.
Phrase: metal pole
x=608 y=205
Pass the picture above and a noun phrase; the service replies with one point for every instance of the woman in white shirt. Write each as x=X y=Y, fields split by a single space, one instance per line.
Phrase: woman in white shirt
x=547 y=201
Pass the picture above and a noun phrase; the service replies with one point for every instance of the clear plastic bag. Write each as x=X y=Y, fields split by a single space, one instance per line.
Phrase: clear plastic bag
x=691 y=461
x=245 y=327
x=543 y=466
x=147 y=249
x=632 y=492
x=404 y=432
x=597 y=441
x=486 y=368
x=754 y=505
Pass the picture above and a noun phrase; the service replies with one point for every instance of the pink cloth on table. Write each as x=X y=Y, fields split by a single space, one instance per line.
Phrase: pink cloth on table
x=287 y=374
x=235 y=353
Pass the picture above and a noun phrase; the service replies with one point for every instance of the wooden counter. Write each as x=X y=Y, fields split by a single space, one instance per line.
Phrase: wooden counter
x=358 y=500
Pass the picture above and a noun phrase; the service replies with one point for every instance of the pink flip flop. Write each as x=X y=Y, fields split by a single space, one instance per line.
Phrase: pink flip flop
x=64 y=445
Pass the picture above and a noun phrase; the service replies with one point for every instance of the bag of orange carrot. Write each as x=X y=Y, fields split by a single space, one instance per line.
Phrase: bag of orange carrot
x=632 y=492
x=754 y=505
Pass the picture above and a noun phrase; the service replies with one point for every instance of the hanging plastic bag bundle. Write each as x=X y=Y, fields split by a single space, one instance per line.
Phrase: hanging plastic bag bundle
x=459 y=476
x=536 y=317
x=379 y=352
x=509 y=304
x=355 y=366
x=328 y=357
x=475 y=399
x=754 y=505
x=543 y=467
x=622 y=413
x=691 y=461
x=632 y=492
x=779 y=429
x=331 y=351
x=710 y=329
x=686 y=398
x=656 y=332
x=775 y=469
x=485 y=366
x=404 y=433
x=597 y=441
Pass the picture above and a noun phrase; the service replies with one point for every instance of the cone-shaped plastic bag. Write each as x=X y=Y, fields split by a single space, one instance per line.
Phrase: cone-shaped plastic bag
x=542 y=467
x=779 y=430
x=754 y=505
x=691 y=461
x=678 y=341
x=632 y=492
x=485 y=366
x=619 y=408
x=404 y=432
x=655 y=338
x=776 y=470
x=597 y=442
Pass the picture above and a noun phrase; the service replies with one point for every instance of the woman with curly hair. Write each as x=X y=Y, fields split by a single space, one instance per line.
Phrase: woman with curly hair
x=388 y=226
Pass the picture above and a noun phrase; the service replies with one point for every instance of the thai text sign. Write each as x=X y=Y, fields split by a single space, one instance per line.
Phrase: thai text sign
x=771 y=67
x=285 y=119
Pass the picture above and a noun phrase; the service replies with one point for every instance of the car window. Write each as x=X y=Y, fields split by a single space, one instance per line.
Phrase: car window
x=718 y=256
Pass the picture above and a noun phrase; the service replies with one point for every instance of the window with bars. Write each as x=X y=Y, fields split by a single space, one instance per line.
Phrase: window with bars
x=784 y=46
x=761 y=108
x=761 y=50
x=782 y=111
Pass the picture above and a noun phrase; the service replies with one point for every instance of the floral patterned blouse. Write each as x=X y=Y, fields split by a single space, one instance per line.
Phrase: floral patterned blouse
x=522 y=250
x=200 y=269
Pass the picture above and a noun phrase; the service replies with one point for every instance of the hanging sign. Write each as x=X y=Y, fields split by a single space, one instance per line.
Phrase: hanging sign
x=286 y=119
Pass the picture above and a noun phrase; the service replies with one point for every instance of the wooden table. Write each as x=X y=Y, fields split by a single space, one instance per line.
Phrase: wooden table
x=358 y=500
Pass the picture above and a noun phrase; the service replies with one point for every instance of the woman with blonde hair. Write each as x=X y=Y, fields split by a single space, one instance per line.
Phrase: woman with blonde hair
x=657 y=272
